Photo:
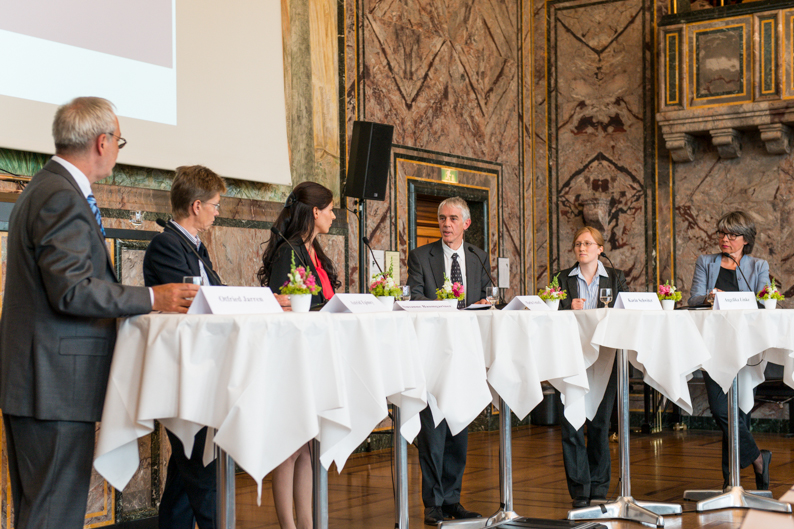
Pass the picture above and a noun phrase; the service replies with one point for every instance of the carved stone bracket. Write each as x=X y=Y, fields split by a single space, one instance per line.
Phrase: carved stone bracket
x=727 y=142
x=681 y=146
x=776 y=137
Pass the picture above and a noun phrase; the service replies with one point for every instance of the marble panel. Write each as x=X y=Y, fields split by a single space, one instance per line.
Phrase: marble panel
x=598 y=149
x=3 y=264
x=236 y=253
x=757 y=183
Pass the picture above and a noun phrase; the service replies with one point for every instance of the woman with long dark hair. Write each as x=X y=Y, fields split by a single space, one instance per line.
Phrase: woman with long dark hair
x=307 y=213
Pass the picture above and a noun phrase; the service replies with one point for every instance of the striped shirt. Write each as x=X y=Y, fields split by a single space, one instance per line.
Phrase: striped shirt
x=589 y=292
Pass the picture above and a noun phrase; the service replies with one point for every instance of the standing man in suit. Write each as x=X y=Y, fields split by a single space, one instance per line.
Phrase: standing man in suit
x=442 y=455
x=58 y=327
x=189 y=494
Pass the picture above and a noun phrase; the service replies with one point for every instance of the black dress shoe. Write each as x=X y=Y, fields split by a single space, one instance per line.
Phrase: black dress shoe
x=457 y=511
x=762 y=479
x=580 y=502
x=433 y=515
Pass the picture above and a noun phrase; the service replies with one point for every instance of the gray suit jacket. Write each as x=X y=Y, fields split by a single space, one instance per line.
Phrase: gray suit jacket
x=57 y=329
x=707 y=269
x=426 y=271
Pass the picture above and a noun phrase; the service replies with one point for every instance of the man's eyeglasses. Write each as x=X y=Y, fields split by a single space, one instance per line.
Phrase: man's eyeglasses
x=216 y=205
x=586 y=244
x=730 y=236
x=122 y=141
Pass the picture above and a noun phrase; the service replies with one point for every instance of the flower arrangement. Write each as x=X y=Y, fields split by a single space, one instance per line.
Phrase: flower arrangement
x=450 y=290
x=770 y=292
x=301 y=281
x=383 y=284
x=553 y=291
x=668 y=292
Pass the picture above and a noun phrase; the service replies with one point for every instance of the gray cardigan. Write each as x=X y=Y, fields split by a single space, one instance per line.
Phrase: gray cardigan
x=707 y=269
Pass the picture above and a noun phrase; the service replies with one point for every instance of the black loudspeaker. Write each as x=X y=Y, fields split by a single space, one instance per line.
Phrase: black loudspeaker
x=370 y=153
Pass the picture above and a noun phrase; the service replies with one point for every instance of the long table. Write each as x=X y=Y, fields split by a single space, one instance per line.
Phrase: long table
x=269 y=384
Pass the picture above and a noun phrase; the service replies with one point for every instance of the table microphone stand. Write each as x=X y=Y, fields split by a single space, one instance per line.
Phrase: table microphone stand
x=505 y=512
x=225 y=491
x=625 y=507
x=735 y=497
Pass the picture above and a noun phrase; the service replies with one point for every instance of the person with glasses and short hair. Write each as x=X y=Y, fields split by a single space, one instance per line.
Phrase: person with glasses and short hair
x=717 y=272
x=588 y=466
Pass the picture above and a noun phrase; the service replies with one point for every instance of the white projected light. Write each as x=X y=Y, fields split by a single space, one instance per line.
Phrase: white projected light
x=193 y=81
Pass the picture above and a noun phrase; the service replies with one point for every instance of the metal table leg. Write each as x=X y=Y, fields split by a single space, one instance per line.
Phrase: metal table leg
x=225 y=491
x=319 y=490
x=505 y=511
x=625 y=507
x=400 y=473
x=735 y=496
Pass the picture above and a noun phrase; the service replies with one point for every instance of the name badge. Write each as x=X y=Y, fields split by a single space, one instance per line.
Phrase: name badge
x=527 y=302
x=734 y=301
x=355 y=303
x=438 y=305
x=638 y=301
x=234 y=300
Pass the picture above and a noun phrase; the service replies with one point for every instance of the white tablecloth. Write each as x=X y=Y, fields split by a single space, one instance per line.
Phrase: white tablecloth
x=523 y=348
x=268 y=384
x=742 y=342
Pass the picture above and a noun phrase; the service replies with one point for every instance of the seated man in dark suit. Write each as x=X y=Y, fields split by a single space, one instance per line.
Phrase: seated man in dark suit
x=58 y=329
x=442 y=455
x=173 y=254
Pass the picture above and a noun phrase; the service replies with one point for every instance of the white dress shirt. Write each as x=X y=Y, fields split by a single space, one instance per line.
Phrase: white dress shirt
x=448 y=261
x=589 y=292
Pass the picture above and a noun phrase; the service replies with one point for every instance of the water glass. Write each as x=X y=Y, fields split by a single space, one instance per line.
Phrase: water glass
x=605 y=296
x=196 y=280
x=405 y=293
x=492 y=295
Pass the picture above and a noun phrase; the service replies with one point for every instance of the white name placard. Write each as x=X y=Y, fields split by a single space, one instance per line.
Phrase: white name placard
x=527 y=302
x=734 y=301
x=638 y=301
x=438 y=305
x=234 y=300
x=355 y=303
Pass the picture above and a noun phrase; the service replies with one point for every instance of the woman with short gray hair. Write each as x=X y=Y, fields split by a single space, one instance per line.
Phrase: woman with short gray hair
x=718 y=273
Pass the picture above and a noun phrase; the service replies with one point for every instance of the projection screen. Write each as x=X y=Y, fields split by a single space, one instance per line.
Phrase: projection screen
x=193 y=81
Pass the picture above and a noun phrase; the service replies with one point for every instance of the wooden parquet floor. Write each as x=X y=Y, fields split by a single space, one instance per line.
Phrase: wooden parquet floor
x=663 y=466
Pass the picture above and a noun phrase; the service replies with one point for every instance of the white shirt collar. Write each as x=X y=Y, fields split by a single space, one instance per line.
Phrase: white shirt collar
x=80 y=178
x=449 y=251
x=196 y=241
x=600 y=271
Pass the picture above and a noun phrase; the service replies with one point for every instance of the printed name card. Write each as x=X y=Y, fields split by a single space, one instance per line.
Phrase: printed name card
x=234 y=300
x=638 y=301
x=355 y=303
x=734 y=301
x=438 y=305
x=527 y=302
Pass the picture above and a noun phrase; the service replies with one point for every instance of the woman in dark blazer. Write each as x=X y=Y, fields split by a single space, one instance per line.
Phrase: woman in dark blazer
x=588 y=466
x=736 y=238
x=307 y=213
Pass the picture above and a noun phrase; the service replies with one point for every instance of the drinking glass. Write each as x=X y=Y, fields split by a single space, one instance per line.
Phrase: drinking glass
x=492 y=295
x=605 y=295
x=405 y=293
x=196 y=280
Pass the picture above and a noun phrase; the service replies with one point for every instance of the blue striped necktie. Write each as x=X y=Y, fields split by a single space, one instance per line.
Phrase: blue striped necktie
x=95 y=210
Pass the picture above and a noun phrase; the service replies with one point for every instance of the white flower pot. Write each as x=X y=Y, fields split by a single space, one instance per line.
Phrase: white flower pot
x=553 y=304
x=668 y=304
x=770 y=303
x=300 y=302
x=387 y=300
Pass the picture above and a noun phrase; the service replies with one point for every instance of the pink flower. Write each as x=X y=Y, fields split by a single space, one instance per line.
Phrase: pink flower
x=310 y=281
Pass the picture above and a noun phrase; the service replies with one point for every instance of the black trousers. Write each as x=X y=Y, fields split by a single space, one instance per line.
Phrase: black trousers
x=718 y=402
x=442 y=457
x=588 y=466
x=49 y=464
x=189 y=494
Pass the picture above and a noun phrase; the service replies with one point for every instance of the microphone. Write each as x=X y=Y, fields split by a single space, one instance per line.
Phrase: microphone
x=207 y=268
x=366 y=241
x=471 y=249
x=614 y=276
x=275 y=231
x=739 y=268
